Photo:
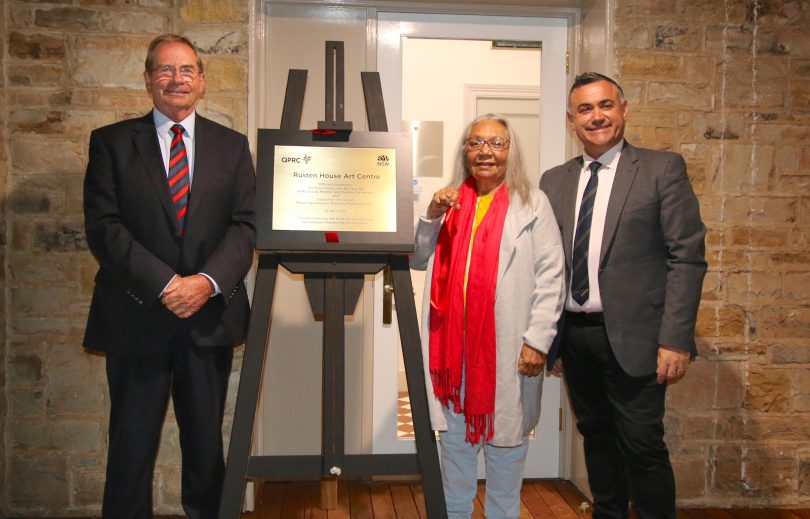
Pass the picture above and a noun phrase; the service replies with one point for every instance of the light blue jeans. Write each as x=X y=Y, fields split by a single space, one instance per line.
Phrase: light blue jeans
x=504 y=473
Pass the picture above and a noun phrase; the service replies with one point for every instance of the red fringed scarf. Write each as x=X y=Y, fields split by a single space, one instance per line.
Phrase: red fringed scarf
x=453 y=338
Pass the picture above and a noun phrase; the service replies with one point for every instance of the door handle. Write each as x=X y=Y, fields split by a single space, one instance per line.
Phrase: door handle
x=388 y=294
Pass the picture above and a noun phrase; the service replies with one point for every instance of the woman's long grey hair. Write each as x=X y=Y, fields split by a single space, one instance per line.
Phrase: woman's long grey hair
x=516 y=180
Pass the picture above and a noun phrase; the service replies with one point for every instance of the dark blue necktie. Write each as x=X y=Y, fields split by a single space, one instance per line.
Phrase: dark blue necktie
x=179 y=178
x=580 y=289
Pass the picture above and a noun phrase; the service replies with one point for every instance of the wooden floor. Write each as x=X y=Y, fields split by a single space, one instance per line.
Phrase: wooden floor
x=541 y=499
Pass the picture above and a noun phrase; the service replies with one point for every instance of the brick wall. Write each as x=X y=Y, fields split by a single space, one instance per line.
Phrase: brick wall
x=69 y=67
x=722 y=81
x=725 y=83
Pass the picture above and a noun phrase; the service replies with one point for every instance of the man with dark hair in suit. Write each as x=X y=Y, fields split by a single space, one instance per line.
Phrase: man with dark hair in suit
x=169 y=215
x=634 y=248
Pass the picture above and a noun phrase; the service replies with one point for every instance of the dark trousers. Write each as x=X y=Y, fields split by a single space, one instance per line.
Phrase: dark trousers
x=197 y=379
x=621 y=420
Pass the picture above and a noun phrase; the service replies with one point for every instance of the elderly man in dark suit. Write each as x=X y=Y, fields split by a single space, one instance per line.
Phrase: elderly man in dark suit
x=169 y=215
x=634 y=247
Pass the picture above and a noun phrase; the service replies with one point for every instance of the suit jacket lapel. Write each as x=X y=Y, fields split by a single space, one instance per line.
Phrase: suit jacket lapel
x=569 y=205
x=204 y=158
x=625 y=174
x=145 y=141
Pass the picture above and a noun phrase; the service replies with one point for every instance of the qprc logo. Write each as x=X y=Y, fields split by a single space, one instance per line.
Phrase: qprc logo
x=297 y=160
x=383 y=160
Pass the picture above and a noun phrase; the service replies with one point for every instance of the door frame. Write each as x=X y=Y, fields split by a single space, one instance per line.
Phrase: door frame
x=590 y=38
x=590 y=47
x=393 y=31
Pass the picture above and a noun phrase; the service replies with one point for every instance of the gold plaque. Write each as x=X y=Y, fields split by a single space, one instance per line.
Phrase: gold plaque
x=334 y=189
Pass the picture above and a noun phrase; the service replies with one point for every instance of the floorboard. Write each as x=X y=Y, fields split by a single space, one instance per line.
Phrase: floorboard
x=403 y=502
x=360 y=502
x=572 y=496
x=556 y=503
x=534 y=502
x=382 y=504
x=480 y=501
x=419 y=499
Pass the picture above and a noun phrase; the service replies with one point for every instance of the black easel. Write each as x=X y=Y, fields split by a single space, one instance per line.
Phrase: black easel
x=333 y=282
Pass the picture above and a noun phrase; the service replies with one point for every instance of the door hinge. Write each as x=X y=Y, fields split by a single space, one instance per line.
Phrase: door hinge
x=560 y=422
x=567 y=62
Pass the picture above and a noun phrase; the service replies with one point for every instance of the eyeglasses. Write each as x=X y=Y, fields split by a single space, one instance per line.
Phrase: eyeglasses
x=188 y=73
x=496 y=144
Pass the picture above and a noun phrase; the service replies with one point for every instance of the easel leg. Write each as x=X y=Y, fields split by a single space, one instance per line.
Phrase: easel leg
x=333 y=389
x=249 y=384
x=414 y=372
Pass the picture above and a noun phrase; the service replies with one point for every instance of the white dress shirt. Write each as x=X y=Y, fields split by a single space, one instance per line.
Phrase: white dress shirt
x=606 y=173
x=163 y=126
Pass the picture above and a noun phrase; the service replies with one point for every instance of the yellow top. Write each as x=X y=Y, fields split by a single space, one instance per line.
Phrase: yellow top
x=482 y=204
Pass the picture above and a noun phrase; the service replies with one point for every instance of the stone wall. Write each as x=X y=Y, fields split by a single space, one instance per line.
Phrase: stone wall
x=3 y=246
x=71 y=66
x=725 y=83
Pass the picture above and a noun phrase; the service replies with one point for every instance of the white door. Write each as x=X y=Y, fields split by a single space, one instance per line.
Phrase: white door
x=464 y=81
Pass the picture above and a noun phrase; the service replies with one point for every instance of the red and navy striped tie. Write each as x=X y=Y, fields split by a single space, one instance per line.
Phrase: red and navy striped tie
x=179 y=178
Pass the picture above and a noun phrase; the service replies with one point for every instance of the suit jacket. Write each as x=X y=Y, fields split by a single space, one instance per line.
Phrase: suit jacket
x=132 y=232
x=652 y=261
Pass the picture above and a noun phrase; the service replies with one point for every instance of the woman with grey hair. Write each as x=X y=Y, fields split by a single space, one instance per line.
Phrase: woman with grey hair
x=493 y=293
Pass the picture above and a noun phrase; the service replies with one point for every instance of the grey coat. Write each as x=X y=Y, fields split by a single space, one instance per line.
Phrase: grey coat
x=528 y=300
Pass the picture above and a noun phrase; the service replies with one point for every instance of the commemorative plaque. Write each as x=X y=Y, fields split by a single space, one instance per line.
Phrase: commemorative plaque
x=316 y=188
x=316 y=194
